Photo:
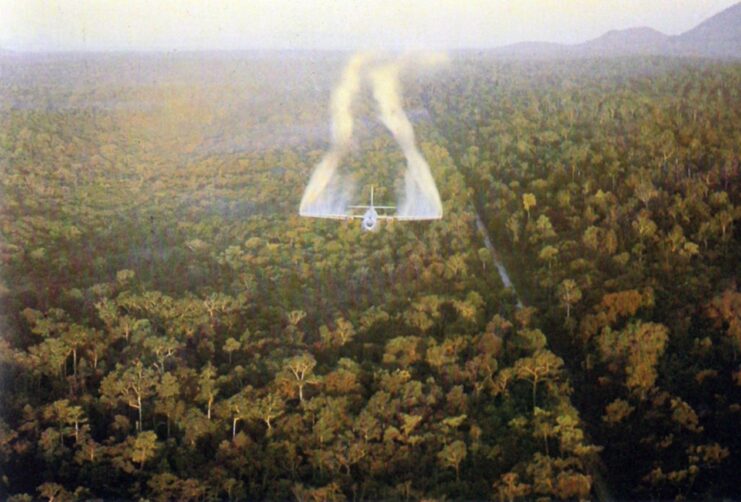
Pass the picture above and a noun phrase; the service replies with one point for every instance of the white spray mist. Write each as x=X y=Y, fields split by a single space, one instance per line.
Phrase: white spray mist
x=327 y=194
x=421 y=199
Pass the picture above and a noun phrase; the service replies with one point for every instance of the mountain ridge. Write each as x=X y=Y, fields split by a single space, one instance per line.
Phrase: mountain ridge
x=719 y=36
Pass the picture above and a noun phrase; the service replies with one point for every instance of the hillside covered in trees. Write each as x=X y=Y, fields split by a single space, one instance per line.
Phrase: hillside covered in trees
x=173 y=330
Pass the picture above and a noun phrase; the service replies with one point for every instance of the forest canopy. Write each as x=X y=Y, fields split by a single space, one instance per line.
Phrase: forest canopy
x=173 y=330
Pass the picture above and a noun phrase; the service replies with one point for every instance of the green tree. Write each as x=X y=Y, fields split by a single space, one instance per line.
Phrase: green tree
x=569 y=294
x=452 y=456
x=144 y=448
x=299 y=370
x=132 y=385
x=208 y=388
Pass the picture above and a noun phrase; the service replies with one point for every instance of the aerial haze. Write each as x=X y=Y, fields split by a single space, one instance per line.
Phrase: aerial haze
x=79 y=25
x=371 y=250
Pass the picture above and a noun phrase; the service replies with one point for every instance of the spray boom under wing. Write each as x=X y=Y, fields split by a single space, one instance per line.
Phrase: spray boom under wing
x=371 y=216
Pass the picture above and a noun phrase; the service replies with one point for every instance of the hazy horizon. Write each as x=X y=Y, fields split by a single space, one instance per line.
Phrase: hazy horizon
x=194 y=25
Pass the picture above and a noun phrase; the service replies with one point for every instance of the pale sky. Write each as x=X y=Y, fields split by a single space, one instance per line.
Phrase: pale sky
x=63 y=25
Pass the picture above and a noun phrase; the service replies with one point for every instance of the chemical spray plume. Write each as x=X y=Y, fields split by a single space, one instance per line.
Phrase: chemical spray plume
x=326 y=193
x=421 y=199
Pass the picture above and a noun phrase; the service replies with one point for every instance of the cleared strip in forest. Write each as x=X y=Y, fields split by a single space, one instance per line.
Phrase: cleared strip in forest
x=600 y=486
x=495 y=256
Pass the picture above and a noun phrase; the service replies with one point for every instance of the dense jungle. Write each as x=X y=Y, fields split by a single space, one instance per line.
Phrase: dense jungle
x=173 y=330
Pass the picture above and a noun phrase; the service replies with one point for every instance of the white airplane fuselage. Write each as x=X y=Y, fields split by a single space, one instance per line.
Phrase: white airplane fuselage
x=370 y=219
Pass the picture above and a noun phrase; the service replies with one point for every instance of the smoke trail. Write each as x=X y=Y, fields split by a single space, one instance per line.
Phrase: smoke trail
x=326 y=193
x=421 y=199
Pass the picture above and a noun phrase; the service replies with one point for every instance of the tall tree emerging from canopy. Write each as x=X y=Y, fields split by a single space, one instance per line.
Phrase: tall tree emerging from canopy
x=132 y=385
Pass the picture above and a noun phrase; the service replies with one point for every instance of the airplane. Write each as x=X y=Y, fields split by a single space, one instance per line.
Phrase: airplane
x=370 y=217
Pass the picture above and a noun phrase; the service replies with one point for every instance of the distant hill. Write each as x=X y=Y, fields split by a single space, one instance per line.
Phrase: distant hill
x=532 y=49
x=717 y=37
x=631 y=41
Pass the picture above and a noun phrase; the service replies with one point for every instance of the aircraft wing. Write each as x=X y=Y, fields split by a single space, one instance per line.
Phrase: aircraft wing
x=414 y=218
x=380 y=217
x=333 y=216
x=368 y=207
x=405 y=218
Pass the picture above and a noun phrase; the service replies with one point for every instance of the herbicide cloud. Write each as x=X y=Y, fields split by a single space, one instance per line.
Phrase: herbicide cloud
x=328 y=193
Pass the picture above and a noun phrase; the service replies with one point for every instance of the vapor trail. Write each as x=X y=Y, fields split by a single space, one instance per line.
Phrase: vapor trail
x=326 y=193
x=421 y=199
